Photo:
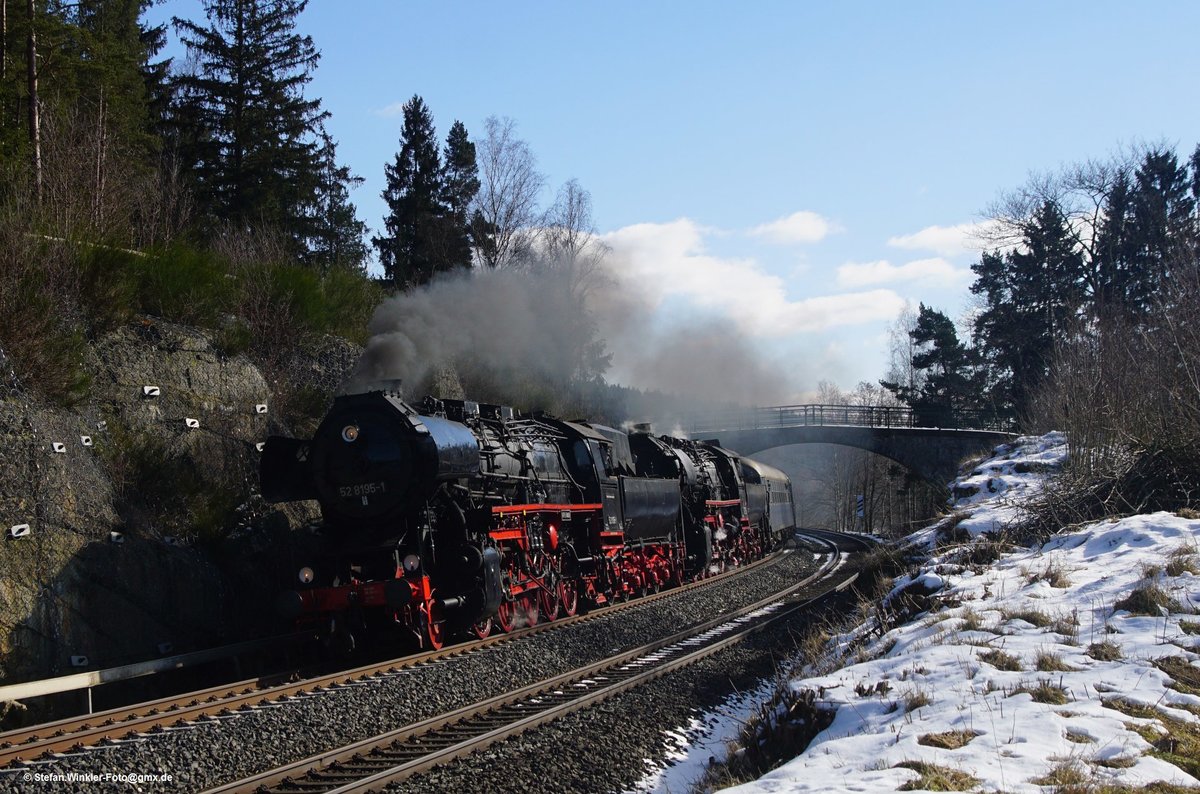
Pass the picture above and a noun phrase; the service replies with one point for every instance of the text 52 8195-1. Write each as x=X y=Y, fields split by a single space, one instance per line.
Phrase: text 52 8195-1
x=362 y=489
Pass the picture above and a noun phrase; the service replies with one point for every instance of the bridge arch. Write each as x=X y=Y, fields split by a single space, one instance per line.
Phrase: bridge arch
x=933 y=453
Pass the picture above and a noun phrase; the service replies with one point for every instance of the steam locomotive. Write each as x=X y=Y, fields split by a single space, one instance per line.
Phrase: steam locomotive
x=455 y=516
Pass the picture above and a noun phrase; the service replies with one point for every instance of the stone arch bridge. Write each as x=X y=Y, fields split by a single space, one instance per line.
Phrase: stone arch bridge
x=931 y=445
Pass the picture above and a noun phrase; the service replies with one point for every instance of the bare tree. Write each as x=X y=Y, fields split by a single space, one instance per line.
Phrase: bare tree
x=35 y=137
x=1079 y=192
x=901 y=349
x=568 y=240
x=504 y=220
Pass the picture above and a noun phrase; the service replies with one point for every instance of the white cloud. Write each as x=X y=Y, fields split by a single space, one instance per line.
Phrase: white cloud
x=936 y=270
x=964 y=238
x=390 y=111
x=799 y=227
x=669 y=260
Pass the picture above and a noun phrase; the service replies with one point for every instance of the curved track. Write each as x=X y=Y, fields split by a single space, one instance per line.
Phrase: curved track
x=396 y=755
x=77 y=733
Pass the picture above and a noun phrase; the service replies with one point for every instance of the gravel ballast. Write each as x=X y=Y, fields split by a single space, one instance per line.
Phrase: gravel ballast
x=246 y=743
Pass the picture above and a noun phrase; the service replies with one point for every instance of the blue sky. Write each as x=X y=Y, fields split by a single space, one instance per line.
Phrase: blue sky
x=796 y=170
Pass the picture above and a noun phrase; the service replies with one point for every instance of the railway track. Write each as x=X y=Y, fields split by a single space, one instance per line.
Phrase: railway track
x=76 y=734
x=396 y=755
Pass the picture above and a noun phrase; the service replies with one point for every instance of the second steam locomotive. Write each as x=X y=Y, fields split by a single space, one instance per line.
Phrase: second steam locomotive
x=454 y=515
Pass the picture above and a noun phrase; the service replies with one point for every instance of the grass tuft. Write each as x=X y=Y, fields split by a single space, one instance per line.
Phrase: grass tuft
x=1184 y=559
x=1034 y=617
x=1053 y=574
x=916 y=699
x=1002 y=660
x=1148 y=599
x=1052 y=663
x=1107 y=651
x=947 y=740
x=1044 y=692
x=1068 y=774
x=971 y=620
x=933 y=777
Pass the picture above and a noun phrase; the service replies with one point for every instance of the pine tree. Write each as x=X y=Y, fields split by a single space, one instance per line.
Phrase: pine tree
x=409 y=249
x=94 y=139
x=1031 y=295
x=948 y=375
x=1160 y=225
x=338 y=234
x=460 y=184
x=249 y=138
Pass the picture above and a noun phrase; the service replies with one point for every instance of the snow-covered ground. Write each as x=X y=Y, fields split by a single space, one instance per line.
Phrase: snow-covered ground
x=1027 y=672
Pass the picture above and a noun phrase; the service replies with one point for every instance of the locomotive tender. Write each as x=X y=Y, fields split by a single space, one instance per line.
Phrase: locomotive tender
x=455 y=515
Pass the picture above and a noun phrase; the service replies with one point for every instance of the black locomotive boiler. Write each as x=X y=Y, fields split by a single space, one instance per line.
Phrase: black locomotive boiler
x=458 y=515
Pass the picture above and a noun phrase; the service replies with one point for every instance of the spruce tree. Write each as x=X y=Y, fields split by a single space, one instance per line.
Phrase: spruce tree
x=460 y=184
x=1032 y=294
x=409 y=249
x=1160 y=225
x=948 y=374
x=338 y=235
x=249 y=137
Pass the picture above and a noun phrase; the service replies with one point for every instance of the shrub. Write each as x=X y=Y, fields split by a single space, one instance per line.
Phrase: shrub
x=156 y=492
x=41 y=329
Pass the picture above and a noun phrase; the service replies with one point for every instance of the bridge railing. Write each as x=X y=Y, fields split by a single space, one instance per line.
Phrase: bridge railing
x=816 y=415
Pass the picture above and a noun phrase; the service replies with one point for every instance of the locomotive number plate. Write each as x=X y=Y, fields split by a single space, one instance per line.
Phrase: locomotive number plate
x=362 y=489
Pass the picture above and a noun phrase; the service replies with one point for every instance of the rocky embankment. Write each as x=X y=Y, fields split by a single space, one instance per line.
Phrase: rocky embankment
x=132 y=520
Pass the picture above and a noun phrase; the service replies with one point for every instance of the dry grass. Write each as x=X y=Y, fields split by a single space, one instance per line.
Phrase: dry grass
x=1117 y=763
x=1148 y=599
x=1190 y=626
x=1034 y=617
x=1066 y=774
x=1107 y=651
x=1002 y=660
x=1184 y=559
x=1044 y=692
x=1048 y=662
x=937 y=778
x=1079 y=738
x=971 y=620
x=1179 y=745
x=1186 y=676
x=916 y=699
x=947 y=740
x=1052 y=574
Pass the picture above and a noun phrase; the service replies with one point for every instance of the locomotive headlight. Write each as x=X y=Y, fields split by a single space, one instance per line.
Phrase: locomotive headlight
x=306 y=575
x=411 y=563
x=349 y=433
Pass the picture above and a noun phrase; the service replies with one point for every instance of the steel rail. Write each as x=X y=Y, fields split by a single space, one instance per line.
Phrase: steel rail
x=487 y=722
x=76 y=733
